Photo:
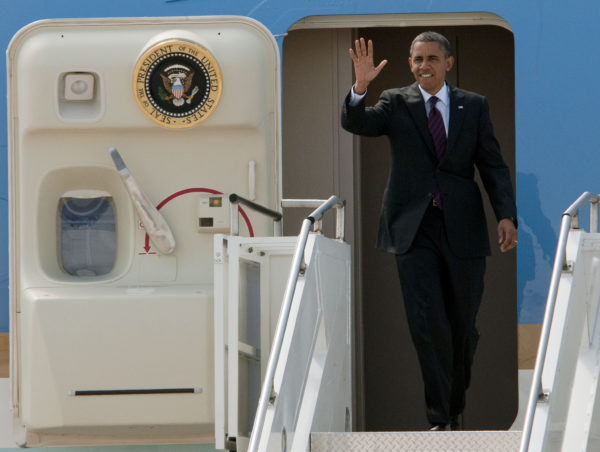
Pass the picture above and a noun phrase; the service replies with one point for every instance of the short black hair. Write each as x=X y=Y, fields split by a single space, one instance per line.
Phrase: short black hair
x=433 y=36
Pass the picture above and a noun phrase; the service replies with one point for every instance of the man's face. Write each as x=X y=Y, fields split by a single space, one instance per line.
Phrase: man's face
x=429 y=64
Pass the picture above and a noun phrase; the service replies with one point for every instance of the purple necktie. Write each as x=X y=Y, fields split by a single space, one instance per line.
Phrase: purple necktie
x=438 y=133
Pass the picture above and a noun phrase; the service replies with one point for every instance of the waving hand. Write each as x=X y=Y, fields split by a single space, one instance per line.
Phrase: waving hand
x=364 y=68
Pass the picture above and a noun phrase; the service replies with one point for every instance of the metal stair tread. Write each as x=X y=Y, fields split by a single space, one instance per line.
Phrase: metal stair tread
x=463 y=441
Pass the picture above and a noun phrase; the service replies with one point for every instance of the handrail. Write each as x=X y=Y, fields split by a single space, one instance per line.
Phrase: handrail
x=267 y=393
x=570 y=219
x=339 y=218
x=234 y=220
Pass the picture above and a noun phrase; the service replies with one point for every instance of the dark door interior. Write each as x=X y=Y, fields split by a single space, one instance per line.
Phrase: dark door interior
x=320 y=159
x=392 y=382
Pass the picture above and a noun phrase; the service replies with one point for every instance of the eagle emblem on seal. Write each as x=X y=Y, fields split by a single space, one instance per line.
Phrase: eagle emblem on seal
x=177 y=81
x=177 y=84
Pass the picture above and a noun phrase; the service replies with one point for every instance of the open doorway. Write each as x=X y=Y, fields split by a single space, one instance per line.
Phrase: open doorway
x=320 y=159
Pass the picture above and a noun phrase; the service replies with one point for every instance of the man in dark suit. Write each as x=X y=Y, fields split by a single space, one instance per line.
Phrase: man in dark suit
x=432 y=216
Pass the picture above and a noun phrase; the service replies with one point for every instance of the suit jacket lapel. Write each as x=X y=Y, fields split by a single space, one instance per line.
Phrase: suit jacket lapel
x=416 y=107
x=457 y=114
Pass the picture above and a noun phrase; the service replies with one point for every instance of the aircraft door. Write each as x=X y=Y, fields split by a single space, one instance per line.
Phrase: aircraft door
x=111 y=318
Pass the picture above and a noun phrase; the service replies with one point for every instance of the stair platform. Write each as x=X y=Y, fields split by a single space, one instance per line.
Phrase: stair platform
x=465 y=441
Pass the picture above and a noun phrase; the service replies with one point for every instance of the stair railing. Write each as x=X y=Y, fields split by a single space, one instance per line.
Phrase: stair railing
x=234 y=218
x=570 y=220
x=267 y=394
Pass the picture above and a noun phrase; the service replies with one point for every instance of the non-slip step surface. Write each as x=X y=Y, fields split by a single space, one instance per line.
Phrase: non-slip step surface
x=479 y=441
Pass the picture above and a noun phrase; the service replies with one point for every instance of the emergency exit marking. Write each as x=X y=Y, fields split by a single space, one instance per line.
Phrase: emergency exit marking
x=177 y=84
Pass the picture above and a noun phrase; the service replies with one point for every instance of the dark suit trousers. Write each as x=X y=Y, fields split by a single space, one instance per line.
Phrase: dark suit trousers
x=442 y=293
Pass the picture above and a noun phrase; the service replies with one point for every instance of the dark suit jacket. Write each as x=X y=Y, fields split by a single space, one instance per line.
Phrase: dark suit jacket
x=400 y=114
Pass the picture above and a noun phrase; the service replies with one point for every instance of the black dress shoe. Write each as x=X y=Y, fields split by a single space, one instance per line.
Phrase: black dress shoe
x=438 y=428
x=455 y=423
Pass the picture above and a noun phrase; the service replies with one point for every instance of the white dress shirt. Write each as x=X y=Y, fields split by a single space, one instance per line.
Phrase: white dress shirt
x=443 y=104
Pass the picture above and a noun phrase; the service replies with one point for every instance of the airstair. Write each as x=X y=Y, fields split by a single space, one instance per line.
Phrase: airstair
x=301 y=390
x=307 y=377
x=564 y=409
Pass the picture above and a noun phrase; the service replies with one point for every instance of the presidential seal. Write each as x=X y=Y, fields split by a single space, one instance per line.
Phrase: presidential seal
x=177 y=84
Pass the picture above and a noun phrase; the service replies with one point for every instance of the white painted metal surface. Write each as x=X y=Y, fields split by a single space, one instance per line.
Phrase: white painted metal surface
x=236 y=311
x=147 y=322
x=297 y=269
x=567 y=419
x=312 y=386
x=313 y=377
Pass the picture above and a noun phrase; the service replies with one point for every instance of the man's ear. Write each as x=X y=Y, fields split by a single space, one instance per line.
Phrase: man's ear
x=449 y=63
